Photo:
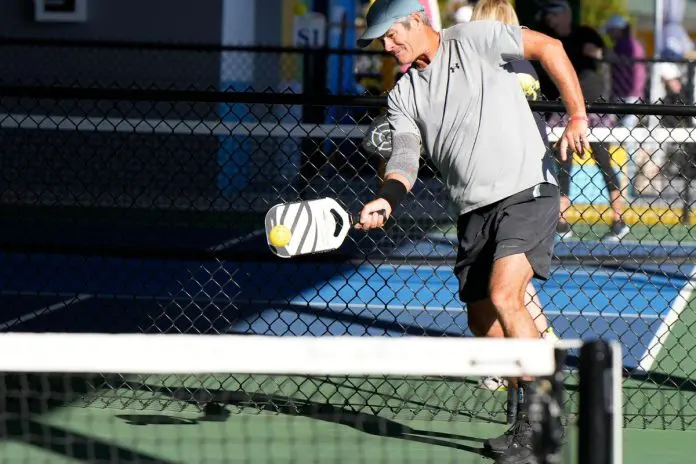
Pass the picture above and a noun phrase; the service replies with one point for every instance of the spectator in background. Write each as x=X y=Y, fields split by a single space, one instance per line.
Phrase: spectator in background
x=676 y=43
x=628 y=78
x=668 y=88
x=669 y=84
x=584 y=47
x=674 y=92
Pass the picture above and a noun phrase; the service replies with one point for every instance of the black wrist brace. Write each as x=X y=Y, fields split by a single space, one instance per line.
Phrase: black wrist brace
x=393 y=191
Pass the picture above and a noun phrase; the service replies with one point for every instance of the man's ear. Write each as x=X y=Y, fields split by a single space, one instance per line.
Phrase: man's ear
x=416 y=19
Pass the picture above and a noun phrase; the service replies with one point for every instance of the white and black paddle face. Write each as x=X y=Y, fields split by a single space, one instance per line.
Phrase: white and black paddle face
x=315 y=225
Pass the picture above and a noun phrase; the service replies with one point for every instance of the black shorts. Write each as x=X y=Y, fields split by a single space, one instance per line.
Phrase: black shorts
x=522 y=223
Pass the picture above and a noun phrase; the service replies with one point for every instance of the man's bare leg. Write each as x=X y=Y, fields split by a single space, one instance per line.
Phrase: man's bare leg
x=565 y=208
x=484 y=316
x=508 y=285
x=533 y=305
x=483 y=319
x=616 y=205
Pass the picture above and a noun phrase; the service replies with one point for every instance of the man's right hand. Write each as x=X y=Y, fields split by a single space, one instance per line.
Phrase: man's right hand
x=371 y=216
x=574 y=137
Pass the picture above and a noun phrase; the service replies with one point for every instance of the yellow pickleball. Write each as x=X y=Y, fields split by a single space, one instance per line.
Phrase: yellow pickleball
x=280 y=236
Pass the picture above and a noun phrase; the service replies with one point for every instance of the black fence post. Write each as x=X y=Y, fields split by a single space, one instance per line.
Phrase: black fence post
x=315 y=68
x=689 y=161
x=595 y=421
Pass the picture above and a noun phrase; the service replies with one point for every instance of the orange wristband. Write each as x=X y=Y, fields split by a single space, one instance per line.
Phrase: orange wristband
x=578 y=118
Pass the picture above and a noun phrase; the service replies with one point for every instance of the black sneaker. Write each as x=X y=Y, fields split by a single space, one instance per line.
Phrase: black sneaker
x=519 y=434
x=519 y=444
x=522 y=445
x=518 y=455
x=618 y=231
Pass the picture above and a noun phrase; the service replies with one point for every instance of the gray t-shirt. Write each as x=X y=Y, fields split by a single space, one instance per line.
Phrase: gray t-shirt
x=472 y=116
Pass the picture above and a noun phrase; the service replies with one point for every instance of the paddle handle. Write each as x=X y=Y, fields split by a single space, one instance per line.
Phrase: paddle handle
x=355 y=218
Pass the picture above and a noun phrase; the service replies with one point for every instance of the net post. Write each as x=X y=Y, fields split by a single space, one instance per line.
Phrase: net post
x=595 y=421
x=549 y=442
x=617 y=397
x=558 y=388
x=512 y=403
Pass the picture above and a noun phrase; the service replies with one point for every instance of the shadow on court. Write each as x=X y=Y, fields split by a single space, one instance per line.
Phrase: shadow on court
x=213 y=406
x=26 y=397
x=170 y=296
x=209 y=400
x=281 y=319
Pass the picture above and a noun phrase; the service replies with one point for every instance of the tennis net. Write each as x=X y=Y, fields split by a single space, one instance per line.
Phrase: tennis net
x=205 y=398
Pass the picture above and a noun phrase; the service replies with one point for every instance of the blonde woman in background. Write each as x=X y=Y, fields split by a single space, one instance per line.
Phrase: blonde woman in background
x=502 y=10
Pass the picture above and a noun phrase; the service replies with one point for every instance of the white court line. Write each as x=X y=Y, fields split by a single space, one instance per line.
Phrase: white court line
x=83 y=296
x=117 y=296
x=392 y=307
x=678 y=305
x=558 y=270
x=236 y=240
x=45 y=310
x=561 y=270
x=323 y=305
x=596 y=243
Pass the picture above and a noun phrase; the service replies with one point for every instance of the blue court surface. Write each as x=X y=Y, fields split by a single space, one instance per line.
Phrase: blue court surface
x=53 y=292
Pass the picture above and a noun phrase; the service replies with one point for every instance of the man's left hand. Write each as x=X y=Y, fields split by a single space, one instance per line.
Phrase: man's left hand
x=574 y=137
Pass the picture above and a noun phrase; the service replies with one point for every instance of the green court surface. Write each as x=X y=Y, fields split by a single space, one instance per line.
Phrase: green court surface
x=300 y=419
x=673 y=375
x=297 y=419
x=665 y=397
x=678 y=354
x=679 y=233
x=93 y=435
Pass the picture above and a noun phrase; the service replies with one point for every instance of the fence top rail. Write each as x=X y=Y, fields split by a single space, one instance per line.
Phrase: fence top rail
x=179 y=46
x=144 y=125
x=290 y=99
x=260 y=48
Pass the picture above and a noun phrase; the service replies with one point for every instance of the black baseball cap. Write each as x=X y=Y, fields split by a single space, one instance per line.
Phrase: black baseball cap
x=555 y=6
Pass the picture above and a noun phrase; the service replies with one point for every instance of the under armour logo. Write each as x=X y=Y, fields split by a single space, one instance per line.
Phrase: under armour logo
x=456 y=66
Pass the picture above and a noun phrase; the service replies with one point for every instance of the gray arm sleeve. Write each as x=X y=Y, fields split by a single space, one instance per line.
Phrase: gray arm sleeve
x=405 y=157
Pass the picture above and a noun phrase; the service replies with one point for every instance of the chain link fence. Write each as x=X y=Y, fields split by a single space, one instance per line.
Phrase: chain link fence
x=190 y=66
x=133 y=210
